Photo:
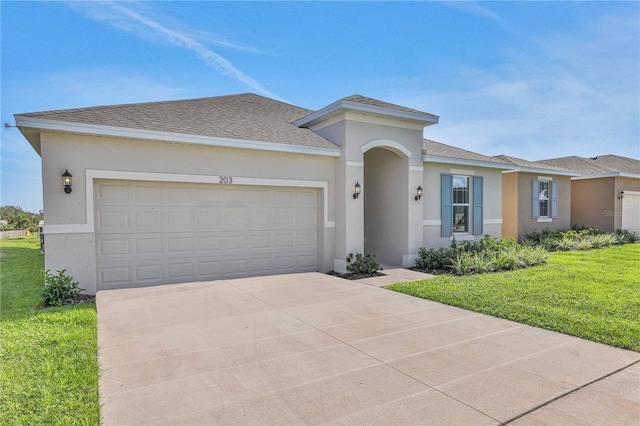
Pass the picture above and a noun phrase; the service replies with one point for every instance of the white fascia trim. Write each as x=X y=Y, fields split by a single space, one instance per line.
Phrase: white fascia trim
x=124 y=132
x=90 y=175
x=385 y=143
x=428 y=222
x=631 y=192
x=606 y=175
x=370 y=109
x=545 y=171
x=460 y=161
x=354 y=163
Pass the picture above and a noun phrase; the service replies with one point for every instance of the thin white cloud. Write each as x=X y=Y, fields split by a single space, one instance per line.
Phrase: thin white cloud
x=473 y=8
x=178 y=38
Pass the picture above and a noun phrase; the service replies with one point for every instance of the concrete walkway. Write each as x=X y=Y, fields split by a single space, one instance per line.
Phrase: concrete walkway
x=316 y=349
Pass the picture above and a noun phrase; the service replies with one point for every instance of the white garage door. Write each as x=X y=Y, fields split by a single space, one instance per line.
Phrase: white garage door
x=631 y=211
x=154 y=233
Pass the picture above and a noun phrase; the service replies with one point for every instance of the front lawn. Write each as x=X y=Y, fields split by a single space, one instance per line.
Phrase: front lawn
x=49 y=359
x=591 y=294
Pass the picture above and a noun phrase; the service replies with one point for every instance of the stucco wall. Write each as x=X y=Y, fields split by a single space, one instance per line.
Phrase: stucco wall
x=526 y=223
x=492 y=210
x=78 y=153
x=385 y=205
x=592 y=200
x=510 y=196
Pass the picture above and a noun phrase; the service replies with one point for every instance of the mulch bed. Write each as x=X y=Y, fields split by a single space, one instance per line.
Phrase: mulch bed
x=352 y=276
x=80 y=298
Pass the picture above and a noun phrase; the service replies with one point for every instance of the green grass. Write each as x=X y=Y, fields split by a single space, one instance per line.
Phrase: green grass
x=48 y=358
x=591 y=294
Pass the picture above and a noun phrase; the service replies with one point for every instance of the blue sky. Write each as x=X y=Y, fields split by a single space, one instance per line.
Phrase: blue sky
x=528 y=79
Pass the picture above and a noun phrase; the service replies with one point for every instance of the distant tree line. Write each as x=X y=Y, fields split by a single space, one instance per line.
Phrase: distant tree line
x=19 y=219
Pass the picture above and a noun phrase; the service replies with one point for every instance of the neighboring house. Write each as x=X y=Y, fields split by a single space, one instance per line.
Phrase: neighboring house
x=242 y=185
x=534 y=197
x=606 y=195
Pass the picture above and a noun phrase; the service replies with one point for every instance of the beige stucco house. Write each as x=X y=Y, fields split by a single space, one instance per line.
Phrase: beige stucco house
x=534 y=197
x=606 y=194
x=243 y=185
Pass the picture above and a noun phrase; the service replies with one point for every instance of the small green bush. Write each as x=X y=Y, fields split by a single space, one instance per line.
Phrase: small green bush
x=58 y=288
x=359 y=264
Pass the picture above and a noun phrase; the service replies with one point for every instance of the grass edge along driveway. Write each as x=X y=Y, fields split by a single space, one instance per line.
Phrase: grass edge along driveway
x=593 y=294
x=49 y=358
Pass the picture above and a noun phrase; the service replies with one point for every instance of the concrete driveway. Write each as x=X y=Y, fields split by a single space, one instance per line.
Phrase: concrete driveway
x=312 y=349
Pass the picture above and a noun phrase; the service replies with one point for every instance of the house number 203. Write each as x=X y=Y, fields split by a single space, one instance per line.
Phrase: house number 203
x=226 y=179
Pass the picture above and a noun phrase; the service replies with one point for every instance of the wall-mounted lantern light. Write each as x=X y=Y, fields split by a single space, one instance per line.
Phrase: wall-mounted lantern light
x=418 y=193
x=356 y=191
x=621 y=195
x=66 y=181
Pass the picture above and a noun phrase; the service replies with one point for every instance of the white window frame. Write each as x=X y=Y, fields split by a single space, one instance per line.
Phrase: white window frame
x=547 y=199
x=467 y=204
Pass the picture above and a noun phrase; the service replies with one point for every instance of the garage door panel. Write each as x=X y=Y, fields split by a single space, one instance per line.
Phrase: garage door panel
x=631 y=212
x=152 y=233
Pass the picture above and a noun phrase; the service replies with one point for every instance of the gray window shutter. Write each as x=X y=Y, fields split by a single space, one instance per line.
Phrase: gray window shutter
x=554 y=199
x=535 y=202
x=477 y=205
x=446 y=203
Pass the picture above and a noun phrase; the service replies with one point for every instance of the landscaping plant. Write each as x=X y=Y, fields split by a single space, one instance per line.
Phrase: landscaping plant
x=59 y=288
x=488 y=255
x=360 y=264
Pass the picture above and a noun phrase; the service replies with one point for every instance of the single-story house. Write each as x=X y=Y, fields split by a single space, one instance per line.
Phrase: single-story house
x=241 y=185
x=606 y=195
x=534 y=197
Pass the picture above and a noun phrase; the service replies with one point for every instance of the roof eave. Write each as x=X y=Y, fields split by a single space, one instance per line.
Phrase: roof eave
x=607 y=175
x=423 y=118
x=466 y=162
x=31 y=124
x=545 y=171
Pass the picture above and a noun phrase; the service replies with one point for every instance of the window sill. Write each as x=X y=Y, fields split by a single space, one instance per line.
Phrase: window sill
x=544 y=220
x=463 y=237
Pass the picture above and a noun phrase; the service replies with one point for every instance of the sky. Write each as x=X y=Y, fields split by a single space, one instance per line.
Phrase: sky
x=533 y=79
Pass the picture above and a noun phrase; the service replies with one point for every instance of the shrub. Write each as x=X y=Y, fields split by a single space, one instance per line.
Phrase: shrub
x=58 y=288
x=626 y=237
x=434 y=259
x=461 y=265
x=362 y=265
x=577 y=238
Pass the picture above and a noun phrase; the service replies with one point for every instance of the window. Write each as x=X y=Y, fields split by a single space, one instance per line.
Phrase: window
x=544 y=202
x=461 y=204
x=543 y=198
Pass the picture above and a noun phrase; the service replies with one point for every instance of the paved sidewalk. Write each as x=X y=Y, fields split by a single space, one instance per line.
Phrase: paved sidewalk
x=313 y=348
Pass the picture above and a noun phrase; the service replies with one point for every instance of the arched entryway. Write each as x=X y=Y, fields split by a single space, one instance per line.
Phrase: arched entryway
x=385 y=203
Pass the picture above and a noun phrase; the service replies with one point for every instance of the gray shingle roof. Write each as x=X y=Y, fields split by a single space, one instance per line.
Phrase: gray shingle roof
x=374 y=102
x=526 y=163
x=439 y=149
x=597 y=165
x=246 y=116
x=618 y=163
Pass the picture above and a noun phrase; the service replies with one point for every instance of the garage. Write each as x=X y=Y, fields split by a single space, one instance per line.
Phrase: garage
x=150 y=233
x=631 y=211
